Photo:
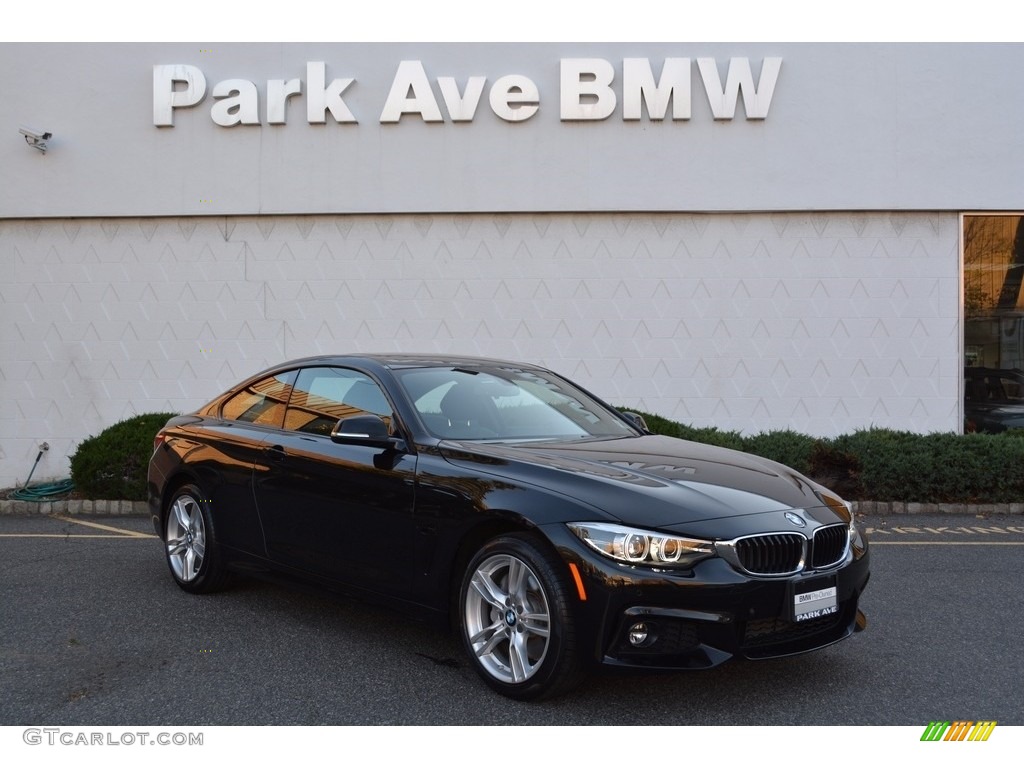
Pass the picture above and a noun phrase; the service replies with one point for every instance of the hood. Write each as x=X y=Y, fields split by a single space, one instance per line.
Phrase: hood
x=650 y=481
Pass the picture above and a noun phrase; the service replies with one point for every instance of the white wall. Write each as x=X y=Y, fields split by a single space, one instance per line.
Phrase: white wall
x=850 y=127
x=817 y=322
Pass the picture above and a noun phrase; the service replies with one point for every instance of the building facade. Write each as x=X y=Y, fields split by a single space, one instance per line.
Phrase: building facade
x=752 y=236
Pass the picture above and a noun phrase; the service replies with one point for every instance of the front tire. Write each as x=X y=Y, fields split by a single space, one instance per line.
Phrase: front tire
x=190 y=543
x=516 y=620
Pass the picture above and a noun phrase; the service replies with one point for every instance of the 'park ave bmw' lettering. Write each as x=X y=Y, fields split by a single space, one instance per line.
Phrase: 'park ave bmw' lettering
x=588 y=92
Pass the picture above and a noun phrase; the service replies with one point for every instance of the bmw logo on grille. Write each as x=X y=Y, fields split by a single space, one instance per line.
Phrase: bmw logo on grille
x=795 y=519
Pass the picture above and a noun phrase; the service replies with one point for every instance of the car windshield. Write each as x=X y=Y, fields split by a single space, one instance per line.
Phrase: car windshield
x=505 y=404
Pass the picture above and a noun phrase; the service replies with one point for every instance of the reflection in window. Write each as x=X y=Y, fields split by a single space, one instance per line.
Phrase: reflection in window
x=993 y=322
x=262 y=402
x=324 y=396
x=505 y=404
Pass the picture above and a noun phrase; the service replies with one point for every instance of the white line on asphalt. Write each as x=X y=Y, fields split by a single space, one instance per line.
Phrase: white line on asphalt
x=951 y=543
x=123 y=531
x=115 y=533
x=73 y=536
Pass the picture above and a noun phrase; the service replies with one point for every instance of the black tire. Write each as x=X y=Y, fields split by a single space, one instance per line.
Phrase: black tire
x=516 y=621
x=190 y=542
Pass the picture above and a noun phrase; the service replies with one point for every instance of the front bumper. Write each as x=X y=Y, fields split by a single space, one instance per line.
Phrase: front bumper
x=701 y=618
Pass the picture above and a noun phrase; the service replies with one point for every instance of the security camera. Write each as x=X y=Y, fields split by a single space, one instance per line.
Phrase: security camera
x=35 y=138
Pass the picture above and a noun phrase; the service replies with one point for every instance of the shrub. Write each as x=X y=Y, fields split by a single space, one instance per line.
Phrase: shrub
x=884 y=464
x=891 y=465
x=837 y=469
x=937 y=467
x=659 y=425
x=784 y=446
x=977 y=468
x=713 y=436
x=113 y=464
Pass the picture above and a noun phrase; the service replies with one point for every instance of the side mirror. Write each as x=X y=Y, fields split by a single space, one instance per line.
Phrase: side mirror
x=367 y=430
x=637 y=421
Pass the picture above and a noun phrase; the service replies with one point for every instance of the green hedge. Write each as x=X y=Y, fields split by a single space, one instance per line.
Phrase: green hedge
x=113 y=464
x=884 y=464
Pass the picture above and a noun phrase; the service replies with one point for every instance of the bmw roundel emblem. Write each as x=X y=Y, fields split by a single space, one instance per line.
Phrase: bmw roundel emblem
x=795 y=519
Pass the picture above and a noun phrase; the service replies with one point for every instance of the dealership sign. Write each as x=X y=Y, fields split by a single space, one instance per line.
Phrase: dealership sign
x=588 y=91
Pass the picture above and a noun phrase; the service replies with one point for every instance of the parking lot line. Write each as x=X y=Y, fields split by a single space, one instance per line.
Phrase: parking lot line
x=949 y=543
x=111 y=532
x=123 y=531
x=72 y=536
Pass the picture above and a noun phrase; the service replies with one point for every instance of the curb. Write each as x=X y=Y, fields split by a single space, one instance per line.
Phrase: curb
x=73 y=507
x=141 y=508
x=920 y=508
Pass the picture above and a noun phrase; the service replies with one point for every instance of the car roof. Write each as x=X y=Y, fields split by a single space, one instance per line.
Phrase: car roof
x=395 y=360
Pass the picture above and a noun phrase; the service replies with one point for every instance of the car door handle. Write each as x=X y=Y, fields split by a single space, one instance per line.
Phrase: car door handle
x=275 y=452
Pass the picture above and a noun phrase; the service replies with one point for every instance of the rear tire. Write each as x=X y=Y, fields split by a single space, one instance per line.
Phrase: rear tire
x=516 y=620
x=190 y=542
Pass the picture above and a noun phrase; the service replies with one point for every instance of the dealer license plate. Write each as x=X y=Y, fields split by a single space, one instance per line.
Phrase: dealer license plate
x=811 y=600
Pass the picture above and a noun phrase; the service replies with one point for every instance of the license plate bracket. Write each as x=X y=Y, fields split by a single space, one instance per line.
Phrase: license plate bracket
x=813 y=598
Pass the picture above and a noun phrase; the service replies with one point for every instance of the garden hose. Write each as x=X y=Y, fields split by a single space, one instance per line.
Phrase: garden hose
x=42 y=491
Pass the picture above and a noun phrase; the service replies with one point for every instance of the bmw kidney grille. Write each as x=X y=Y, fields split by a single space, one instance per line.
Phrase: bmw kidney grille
x=784 y=554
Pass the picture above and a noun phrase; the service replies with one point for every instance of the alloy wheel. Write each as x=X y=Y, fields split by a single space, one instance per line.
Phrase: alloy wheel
x=507 y=618
x=186 y=538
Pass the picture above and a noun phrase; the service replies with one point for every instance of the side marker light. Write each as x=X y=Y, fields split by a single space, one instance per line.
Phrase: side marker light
x=579 y=581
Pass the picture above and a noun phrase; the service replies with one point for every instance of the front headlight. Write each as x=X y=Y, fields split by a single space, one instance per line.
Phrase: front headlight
x=843 y=508
x=634 y=546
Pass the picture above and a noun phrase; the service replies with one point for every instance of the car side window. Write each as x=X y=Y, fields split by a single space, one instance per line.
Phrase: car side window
x=262 y=402
x=323 y=396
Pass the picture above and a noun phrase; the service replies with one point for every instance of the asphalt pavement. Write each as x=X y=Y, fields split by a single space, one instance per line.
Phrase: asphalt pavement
x=93 y=631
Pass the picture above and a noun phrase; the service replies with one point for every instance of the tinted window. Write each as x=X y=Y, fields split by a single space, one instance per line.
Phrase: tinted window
x=323 y=396
x=1005 y=387
x=993 y=296
x=262 y=402
x=505 y=404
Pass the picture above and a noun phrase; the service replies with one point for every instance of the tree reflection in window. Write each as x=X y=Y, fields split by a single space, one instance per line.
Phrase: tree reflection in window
x=993 y=318
x=261 y=403
x=993 y=275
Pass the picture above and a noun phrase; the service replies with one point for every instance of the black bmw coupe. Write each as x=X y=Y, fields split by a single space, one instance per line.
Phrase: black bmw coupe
x=551 y=530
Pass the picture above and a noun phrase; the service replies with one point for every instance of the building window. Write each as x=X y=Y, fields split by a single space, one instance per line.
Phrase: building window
x=993 y=323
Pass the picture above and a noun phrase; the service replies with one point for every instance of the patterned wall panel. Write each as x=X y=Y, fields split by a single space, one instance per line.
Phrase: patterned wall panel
x=817 y=322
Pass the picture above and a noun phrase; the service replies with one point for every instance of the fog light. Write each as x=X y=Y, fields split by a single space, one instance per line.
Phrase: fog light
x=638 y=634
